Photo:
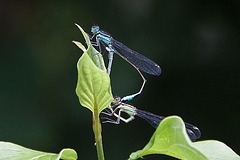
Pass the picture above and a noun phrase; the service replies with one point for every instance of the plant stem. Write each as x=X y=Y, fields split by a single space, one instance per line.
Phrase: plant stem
x=97 y=129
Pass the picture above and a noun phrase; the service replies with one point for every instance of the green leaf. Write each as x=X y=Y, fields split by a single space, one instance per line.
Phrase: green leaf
x=84 y=35
x=93 y=86
x=80 y=46
x=216 y=150
x=10 y=151
x=171 y=139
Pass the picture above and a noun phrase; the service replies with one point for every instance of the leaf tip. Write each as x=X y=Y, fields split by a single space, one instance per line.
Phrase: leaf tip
x=76 y=25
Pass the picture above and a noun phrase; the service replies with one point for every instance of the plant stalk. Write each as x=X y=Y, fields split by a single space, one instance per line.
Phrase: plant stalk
x=97 y=129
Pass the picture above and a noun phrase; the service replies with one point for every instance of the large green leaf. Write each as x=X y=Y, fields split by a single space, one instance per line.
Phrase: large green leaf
x=171 y=139
x=10 y=151
x=93 y=85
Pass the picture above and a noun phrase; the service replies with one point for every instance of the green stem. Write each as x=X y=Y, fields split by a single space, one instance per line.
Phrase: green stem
x=97 y=129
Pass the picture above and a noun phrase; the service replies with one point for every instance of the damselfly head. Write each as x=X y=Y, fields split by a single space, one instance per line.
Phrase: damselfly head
x=117 y=99
x=95 y=29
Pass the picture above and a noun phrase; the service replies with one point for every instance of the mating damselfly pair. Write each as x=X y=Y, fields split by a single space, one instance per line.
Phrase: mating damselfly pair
x=140 y=63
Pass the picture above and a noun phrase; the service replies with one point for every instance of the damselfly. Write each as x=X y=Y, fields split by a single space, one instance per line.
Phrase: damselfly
x=153 y=119
x=138 y=61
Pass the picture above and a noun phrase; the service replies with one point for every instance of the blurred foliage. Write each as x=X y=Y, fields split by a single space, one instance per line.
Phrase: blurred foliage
x=196 y=43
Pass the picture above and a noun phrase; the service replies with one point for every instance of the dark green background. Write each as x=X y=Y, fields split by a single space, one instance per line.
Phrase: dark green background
x=196 y=43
